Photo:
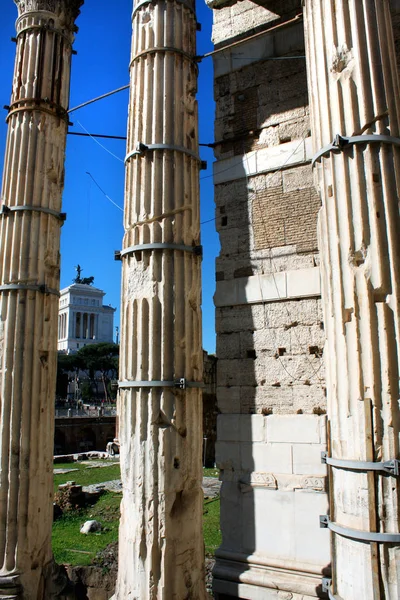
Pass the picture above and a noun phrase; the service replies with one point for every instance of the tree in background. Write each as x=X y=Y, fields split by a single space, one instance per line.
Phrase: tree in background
x=102 y=358
x=66 y=364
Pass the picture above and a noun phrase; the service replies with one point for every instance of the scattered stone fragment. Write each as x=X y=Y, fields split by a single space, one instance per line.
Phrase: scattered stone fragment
x=91 y=527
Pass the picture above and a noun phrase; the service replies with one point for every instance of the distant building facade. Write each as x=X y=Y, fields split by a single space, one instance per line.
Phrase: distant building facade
x=82 y=318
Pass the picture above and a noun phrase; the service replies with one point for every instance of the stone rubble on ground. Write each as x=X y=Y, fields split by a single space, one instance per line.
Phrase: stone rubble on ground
x=92 y=526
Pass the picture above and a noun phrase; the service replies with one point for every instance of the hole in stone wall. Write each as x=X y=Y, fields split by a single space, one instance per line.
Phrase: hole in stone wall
x=176 y=463
x=224 y=221
x=251 y=354
x=281 y=351
x=315 y=350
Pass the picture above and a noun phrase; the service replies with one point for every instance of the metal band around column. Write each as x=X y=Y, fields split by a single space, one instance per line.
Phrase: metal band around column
x=357 y=534
x=164 y=49
x=141 y=149
x=197 y=250
x=340 y=143
x=144 y=2
x=6 y=210
x=18 y=106
x=391 y=466
x=178 y=383
x=43 y=28
x=15 y=287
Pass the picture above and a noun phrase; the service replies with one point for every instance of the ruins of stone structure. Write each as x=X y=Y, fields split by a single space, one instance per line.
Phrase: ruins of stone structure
x=269 y=440
x=29 y=284
x=270 y=331
x=161 y=552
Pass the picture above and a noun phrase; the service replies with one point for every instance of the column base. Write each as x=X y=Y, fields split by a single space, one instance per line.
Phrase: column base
x=246 y=578
x=10 y=587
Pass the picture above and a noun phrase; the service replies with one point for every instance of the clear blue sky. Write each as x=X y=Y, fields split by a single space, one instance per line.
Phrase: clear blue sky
x=93 y=229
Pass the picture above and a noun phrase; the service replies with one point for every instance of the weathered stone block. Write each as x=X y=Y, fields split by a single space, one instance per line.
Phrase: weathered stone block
x=228 y=399
x=307 y=459
x=298 y=178
x=267 y=458
x=228 y=345
x=227 y=455
x=303 y=429
x=228 y=428
x=311 y=542
x=252 y=428
x=231 y=516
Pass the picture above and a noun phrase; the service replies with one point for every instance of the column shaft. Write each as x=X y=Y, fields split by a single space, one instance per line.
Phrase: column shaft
x=161 y=546
x=29 y=271
x=354 y=92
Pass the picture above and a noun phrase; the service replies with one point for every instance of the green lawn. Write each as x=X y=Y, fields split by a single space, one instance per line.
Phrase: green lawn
x=86 y=474
x=211 y=472
x=211 y=529
x=72 y=547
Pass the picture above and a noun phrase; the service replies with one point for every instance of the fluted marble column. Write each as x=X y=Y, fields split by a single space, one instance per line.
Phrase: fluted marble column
x=354 y=91
x=160 y=427
x=30 y=224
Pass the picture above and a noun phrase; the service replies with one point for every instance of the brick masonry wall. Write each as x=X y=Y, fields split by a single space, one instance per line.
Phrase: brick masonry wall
x=280 y=219
x=270 y=356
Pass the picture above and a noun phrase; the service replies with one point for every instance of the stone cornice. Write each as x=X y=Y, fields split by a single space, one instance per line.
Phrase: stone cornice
x=215 y=4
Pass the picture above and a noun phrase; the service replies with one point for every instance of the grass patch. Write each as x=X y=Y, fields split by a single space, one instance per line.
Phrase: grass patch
x=72 y=547
x=86 y=475
x=211 y=472
x=211 y=530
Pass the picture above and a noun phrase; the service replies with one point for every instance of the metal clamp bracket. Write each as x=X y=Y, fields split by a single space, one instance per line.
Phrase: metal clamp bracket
x=193 y=59
x=391 y=466
x=43 y=289
x=180 y=383
x=340 y=143
x=357 y=534
x=196 y=250
x=327 y=588
x=6 y=210
x=144 y=2
x=141 y=149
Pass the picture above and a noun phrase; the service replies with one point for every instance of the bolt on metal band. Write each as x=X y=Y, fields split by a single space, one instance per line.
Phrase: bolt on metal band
x=144 y=2
x=341 y=143
x=327 y=588
x=177 y=383
x=391 y=466
x=6 y=210
x=196 y=250
x=43 y=289
x=357 y=534
x=141 y=149
x=154 y=50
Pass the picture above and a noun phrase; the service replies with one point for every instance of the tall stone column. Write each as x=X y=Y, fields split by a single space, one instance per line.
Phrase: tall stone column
x=30 y=222
x=354 y=92
x=160 y=423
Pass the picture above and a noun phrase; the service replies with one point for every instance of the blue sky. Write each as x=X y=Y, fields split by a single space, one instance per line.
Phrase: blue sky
x=93 y=229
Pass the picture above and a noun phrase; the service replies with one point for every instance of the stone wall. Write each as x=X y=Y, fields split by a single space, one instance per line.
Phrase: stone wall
x=270 y=330
x=82 y=434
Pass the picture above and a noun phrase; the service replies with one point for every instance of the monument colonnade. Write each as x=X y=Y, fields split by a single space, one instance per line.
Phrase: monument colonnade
x=354 y=93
